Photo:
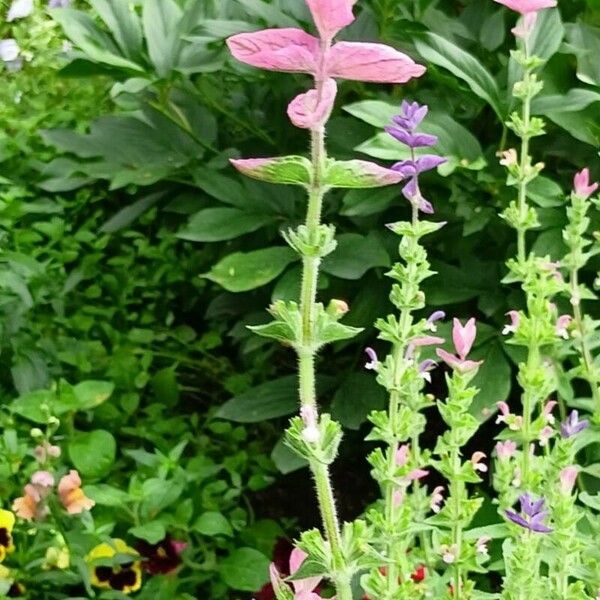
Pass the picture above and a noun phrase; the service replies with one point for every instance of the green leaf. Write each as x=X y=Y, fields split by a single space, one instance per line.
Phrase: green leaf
x=244 y=271
x=288 y=170
x=152 y=532
x=93 y=453
x=270 y=400
x=126 y=216
x=355 y=255
x=547 y=35
x=219 y=224
x=493 y=380
x=493 y=30
x=442 y=52
x=574 y=100
x=584 y=41
x=161 y=19
x=362 y=203
x=285 y=459
x=29 y=405
x=158 y=495
x=212 y=524
x=245 y=569
x=90 y=394
x=358 y=395
x=359 y=174
x=106 y=495
x=97 y=45
x=122 y=20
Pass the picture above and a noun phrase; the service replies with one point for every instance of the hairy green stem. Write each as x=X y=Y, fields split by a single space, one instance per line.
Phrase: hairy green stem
x=457 y=487
x=521 y=231
x=529 y=398
x=307 y=354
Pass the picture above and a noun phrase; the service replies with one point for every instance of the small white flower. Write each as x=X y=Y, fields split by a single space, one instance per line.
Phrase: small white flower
x=19 y=9
x=9 y=50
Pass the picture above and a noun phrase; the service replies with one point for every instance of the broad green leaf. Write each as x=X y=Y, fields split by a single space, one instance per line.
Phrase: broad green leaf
x=152 y=532
x=245 y=569
x=90 y=394
x=270 y=400
x=547 y=35
x=159 y=494
x=106 y=495
x=219 y=186
x=442 y=52
x=124 y=24
x=30 y=405
x=93 y=453
x=126 y=216
x=545 y=192
x=358 y=395
x=574 y=100
x=493 y=30
x=268 y=12
x=362 y=203
x=355 y=255
x=97 y=45
x=584 y=41
x=212 y=523
x=374 y=112
x=493 y=379
x=244 y=271
x=161 y=19
x=285 y=459
x=219 y=224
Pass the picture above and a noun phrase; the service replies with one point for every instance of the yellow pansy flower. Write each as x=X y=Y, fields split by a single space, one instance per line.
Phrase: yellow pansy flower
x=125 y=577
x=7 y=522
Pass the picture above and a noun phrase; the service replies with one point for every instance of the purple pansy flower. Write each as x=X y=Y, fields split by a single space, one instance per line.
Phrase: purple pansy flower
x=572 y=425
x=532 y=515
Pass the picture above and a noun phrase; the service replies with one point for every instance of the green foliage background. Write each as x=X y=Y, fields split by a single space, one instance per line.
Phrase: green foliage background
x=133 y=256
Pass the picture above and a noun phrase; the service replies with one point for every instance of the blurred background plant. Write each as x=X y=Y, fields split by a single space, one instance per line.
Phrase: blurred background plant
x=132 y=254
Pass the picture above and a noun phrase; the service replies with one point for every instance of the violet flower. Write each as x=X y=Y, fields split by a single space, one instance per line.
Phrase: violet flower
x=438 y=315
x=403 y=130
x=572 y=426
x=373 y=363
x=532 y=515
x=59 y=3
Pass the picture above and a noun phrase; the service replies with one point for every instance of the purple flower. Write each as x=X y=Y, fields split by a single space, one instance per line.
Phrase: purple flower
x=433 y=318
x=412 y=140
x=59 y=3
x=373 y=360
x=572 y=426
x=532 y=515
x=412 y=115
x=425 y=367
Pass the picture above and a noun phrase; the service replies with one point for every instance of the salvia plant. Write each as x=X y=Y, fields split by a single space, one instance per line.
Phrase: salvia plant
x=419 y=539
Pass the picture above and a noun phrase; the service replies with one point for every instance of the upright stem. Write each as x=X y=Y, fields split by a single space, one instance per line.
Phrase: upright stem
x=533 y=358
x=457 y=496
x=522 y=204
x=307 y=354
x=586 y=354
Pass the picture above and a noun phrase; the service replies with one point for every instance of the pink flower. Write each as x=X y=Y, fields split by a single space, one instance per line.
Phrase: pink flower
x=506 y=450
x=463 y=338
x=303 y=588
x=525 y=27
x=417 y=474
x=311 y=432
x=582 y=186
x=402 y=455
x=527 y=6
x=509 y=158
x=481 y=546
x=514 y=422
x=547 y=411
x=476 y=462
x=515 y=319
x=545 y=435
x=313 y=108
x=32 y=504
x=398 y=498
x=437 y=497
x=331 y=16
x=45 y=451
x=72 y=496
x=568 y=477
x=562 y=324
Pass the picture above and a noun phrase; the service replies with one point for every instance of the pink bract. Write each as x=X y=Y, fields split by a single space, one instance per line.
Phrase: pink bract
x=313 y=108
x=582 y=185
x=331 y=16
x=527 y=6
